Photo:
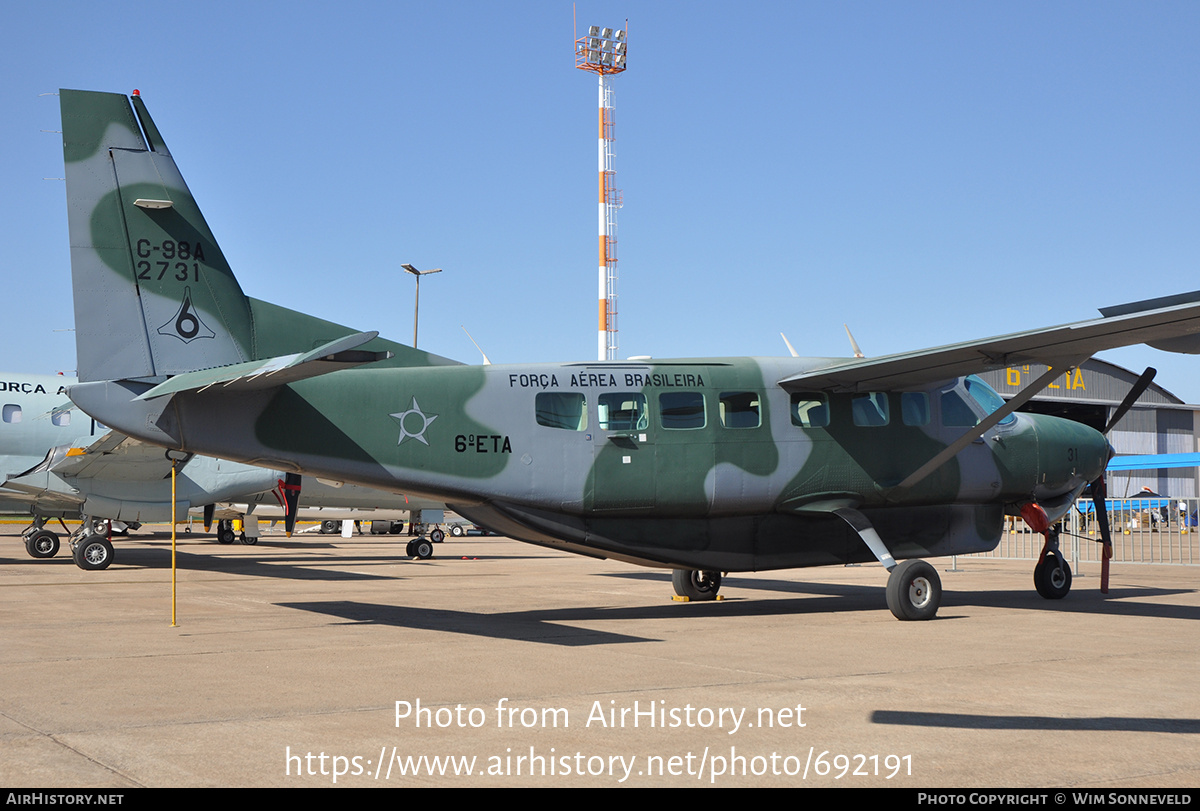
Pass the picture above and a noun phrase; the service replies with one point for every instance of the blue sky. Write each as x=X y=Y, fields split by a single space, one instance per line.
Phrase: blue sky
x=926 y=172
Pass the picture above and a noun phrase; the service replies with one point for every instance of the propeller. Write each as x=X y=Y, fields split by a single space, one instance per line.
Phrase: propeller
x=1099 y=488
x=289 y=489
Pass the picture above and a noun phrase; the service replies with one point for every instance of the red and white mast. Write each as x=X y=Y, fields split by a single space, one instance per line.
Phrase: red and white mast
x=603 y=52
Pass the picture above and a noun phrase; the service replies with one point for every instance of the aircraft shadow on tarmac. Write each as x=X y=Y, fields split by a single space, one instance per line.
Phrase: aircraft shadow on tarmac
x=530 y=626
x=237 y=560
x=551 y=625
x=1187 y=726
x=1118 y=602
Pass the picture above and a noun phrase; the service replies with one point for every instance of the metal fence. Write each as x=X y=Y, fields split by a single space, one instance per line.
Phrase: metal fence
x=1144 y=530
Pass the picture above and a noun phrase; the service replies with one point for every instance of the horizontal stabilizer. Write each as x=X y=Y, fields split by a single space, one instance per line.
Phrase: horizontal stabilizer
x=266 y=374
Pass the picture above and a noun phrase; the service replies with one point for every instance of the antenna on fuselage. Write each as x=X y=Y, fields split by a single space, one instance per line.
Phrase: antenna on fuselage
x=791 y=348
x=858 y=353
x=486 y=361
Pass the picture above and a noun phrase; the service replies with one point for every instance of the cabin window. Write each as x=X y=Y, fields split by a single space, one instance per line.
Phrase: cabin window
x=562 y=409
x=870 y=409
x=12 y=412
x=914 y=407
x=810 y=409
x=623 y=411
x=678 y=410
x=956 y=412
x=740 y=409
x=61 y=418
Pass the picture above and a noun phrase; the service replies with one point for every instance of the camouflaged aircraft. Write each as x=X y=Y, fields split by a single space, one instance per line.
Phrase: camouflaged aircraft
x=705 y=466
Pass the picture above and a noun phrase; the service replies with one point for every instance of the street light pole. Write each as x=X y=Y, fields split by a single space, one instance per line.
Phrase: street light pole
x=417 y=301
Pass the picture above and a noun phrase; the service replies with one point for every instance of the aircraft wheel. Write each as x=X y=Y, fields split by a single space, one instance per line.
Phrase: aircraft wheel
x=225 y=533
x=437 y=536
x=696 y=585
x=456 y=531
x=331 y=527
x=94 y=552
x=422 y=549
x=1052 y=577
x=410 y=549
x=42 y=544
x=99 y=526
x=914 y=591
x=248 y=540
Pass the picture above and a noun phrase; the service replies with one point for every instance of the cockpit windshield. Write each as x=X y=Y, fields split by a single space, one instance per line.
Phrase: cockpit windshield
x=987 y=397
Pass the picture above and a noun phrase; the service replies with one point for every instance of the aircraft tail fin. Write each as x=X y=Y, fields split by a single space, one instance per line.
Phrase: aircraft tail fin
x=154 y=294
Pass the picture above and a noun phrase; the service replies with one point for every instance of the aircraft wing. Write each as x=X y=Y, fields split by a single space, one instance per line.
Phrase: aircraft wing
x=1175 y=326
x=113 y=457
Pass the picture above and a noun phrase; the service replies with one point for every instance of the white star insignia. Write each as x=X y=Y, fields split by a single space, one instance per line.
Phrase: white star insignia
x=408 y=422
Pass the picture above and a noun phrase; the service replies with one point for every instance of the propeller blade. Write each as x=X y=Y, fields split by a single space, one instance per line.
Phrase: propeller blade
x=1099 y=492
x=209 y=509
x=290 y=488
x=1135 y=392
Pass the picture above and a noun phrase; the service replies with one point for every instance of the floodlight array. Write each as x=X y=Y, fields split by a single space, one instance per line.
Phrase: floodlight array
x=603 y=50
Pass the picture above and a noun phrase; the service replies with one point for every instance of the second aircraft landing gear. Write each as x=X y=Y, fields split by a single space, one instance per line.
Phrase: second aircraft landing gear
x=90 y=549
x=41 y=543
x=93 y=552
x=420 y=548
x=225 y=533
x=695 y=586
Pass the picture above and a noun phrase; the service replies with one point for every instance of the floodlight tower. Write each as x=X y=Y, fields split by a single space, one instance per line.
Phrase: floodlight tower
x=603 y=52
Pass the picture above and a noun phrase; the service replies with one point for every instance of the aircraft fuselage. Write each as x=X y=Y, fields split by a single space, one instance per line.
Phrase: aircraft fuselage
x=704 y=463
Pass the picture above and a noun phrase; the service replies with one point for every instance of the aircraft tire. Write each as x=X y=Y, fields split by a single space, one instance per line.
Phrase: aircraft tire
x=1051 y=580
x=422 y=549
x=225 y=534
x=331 y=527
x=695 y=585
x=93 y=553
x=248 y=540
x=42 y=544
x=914 y=591
x=456 y=531
x=437 y=536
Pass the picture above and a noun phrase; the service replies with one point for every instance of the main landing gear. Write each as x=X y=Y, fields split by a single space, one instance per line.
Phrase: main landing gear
x=914 y=590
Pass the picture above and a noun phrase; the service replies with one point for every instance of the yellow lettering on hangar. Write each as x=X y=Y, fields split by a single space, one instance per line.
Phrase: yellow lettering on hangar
x=1073 y=379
